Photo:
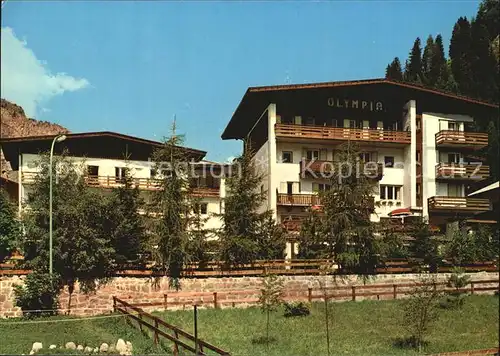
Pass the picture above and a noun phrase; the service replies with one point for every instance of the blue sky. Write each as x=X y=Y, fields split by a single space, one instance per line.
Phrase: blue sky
x=131 y=66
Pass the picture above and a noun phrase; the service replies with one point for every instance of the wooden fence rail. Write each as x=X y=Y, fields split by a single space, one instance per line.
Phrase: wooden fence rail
x=174 y=333
x=281 y=267
x=250 y=296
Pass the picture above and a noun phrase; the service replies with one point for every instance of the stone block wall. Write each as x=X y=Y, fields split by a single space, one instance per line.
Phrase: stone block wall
x=143 y=290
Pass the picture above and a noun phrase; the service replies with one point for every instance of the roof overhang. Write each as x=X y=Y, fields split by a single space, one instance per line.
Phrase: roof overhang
x=488 y=189
x=89 y=144
x=314 y=97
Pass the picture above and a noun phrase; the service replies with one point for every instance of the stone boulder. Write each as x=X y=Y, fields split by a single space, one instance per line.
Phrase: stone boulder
x=121 y=347
x=37 y=346
x=104 y=347
x=70 y=345
x=52 y=347
x=88 y=350
x=80 y=348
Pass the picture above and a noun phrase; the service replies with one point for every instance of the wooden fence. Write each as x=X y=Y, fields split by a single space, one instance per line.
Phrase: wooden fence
x=160 y=328
x=281 y=267
x=251 y=296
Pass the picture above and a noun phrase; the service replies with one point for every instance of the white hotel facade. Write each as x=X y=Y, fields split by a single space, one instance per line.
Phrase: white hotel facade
x=103 y=158
x=420 y=139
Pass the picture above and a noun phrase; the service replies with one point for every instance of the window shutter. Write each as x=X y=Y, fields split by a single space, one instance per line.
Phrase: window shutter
x=346 y=123
x=298 y=120
x=283 y=187
x=295 y=188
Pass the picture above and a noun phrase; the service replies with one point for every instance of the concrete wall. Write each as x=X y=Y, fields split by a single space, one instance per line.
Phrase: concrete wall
x=142 y=290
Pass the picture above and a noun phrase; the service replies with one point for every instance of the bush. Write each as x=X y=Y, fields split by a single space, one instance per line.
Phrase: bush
x=38 y=296
x=296 y=309
x=457 y=280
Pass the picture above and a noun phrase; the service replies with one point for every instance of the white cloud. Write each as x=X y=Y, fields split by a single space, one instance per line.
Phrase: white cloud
x=27 y=81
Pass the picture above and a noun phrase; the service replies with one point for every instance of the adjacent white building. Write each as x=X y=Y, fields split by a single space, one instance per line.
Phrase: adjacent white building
x=422 y=143
x=104 y=157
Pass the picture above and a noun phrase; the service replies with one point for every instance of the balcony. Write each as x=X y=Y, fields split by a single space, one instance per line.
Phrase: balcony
x=298 y=199
x=457 y=139
x=458 y=205
x=109 y=182
x=324 y=169
x=342 y=134
x=454 y=171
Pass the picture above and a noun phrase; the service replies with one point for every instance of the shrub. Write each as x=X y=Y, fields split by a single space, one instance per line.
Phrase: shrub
x=420 y=310
x=457 y=280
x=296 y=309
x=39 y=295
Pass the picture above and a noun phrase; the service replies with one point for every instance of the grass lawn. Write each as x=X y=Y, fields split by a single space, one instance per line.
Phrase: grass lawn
x=18 y=338
x=356 y=328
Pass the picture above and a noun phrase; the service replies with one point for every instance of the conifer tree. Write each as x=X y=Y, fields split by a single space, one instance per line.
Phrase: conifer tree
x=82 y=248
x=349 y=233
x=413 y=69
x=9 y=226
x=438 y=74
x=171 y=208
x=311 y=237
x=243 y=220
x=483 y=64
x=127 y=229
x=394 y=71
x=427 y=61
x=460 y=56
x=198 y=244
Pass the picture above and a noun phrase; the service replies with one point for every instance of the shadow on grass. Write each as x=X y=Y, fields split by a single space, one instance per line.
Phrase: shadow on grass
x=407 y=343
x=263 y=340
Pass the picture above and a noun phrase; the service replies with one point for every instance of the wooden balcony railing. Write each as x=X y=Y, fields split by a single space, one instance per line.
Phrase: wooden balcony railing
x=343 y=134
x=462 y=171
x=108 y=182
x=324 y=169
x=298 y=199
x=453 y=138
x=458 y=204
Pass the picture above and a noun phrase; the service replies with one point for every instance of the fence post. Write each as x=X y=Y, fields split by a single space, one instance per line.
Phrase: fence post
x=196 y=346
x=114 y=303
x=176 y=347
x=434 y=285
x=471 y=287
x=394 y=293
x=215 y=300
x=353 y=293
x=140 y=323
x=309 y=294
x=165 y=301
x=155 y=336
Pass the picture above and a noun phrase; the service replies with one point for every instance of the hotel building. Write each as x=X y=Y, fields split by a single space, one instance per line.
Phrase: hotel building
x=105 y=156
x=424 y=143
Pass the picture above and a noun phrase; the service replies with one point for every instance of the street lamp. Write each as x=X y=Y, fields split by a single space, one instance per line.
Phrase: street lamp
x=58 y=138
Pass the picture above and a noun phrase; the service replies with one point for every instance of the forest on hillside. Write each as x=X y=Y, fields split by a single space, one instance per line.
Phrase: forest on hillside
x=470 y=69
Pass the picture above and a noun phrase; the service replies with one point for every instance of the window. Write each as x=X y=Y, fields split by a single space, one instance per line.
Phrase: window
x=93 y=170
x=454 y=190
x=453 y=126
x=310 y=121
x=201 y=208
x=287 y=157
x=287 y=120
x=320 y=187
x=333 y=123
x=120 y=173
x=391 y=192
x=312 y=154
x=352 y=124
x=389 y=161
x=289 y=187
x=153 y=172
x=454 y=158
x=365 y=157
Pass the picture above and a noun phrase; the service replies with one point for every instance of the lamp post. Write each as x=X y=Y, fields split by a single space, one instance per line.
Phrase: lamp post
x=58 y=138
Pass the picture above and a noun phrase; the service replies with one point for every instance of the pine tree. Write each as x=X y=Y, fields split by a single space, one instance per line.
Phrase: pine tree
x=427 y=61
x=82 y=249
x=9 y=226
x=413 y=69
x=439 y=75
x=311 y=237
x=198 y=245
x=171 y=208
x=483 y=64
x=460 y=56
x=242 y=220
x=489 y=14
x=394 y=71
x=347 y=206
x=424 y=246
x=127 y=228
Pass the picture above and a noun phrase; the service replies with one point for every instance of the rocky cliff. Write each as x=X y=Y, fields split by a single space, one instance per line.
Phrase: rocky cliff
x=14 y=123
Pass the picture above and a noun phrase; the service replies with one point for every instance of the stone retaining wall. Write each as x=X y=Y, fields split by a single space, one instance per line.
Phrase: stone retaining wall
x=143 y=290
